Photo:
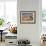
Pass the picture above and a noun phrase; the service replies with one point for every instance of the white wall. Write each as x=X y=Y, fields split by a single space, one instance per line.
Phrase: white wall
x=30 y=31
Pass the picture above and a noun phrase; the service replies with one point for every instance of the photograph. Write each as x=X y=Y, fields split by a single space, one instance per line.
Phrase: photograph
x=27 y=17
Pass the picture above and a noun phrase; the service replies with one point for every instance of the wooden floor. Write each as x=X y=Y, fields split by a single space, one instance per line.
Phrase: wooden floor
x=2 y=43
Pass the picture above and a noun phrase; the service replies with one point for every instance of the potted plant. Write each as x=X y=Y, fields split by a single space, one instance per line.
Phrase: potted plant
x=1 y=22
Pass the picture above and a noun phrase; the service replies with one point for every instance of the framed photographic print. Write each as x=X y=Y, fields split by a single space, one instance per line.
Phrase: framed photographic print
x=27 y=17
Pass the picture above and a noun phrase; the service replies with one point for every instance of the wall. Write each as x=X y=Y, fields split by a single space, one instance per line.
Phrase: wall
x=30 y=31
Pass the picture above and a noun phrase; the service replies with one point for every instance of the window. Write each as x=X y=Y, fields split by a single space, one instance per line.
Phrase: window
x=43 y=12
x=8 y=11
x=1 y=9
x=44 y=16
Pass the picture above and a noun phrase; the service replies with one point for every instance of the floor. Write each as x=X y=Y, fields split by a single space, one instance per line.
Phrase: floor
x=2 y=43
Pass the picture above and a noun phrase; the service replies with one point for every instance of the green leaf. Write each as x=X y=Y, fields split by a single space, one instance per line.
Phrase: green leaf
x=1 y=21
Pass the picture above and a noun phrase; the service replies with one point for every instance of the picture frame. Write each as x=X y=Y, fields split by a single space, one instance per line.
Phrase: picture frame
x=27 y=17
